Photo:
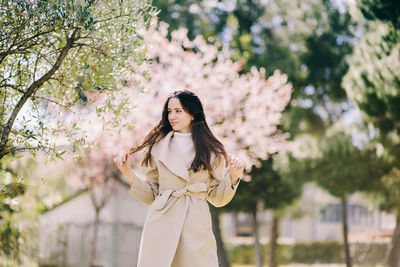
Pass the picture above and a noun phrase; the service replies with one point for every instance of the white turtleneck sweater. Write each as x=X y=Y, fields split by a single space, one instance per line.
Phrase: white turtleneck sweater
x=185 y=145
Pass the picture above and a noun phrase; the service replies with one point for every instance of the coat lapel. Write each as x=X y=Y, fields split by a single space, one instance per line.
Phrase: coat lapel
x=167 y=152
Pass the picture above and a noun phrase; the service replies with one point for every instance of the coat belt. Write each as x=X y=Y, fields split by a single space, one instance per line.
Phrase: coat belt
x=168 y=197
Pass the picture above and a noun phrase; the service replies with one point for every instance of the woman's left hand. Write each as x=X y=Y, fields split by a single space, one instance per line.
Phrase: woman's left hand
x=236 y=167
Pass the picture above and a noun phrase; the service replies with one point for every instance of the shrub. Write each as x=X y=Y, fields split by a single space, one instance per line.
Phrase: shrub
x=313 y=252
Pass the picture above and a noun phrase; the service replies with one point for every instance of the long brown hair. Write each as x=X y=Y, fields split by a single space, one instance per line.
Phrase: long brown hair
x=205 y=143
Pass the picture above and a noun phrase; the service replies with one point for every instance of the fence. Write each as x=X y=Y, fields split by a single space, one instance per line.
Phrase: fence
x=70 y=245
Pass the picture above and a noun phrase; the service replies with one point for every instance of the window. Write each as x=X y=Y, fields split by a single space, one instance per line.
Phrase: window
x=359 y=214
x=331 y=213
x=356 y=214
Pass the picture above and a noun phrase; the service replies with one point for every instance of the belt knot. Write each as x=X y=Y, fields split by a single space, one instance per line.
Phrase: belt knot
x=163 y=202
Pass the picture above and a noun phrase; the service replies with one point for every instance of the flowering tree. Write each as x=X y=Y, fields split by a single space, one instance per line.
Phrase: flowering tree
x=243 y=110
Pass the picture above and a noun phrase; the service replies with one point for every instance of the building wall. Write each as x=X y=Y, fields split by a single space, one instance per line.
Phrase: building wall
x=318 y=219
x=66 y=232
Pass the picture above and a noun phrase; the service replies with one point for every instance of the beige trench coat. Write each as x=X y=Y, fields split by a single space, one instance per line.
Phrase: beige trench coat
x=177 y=231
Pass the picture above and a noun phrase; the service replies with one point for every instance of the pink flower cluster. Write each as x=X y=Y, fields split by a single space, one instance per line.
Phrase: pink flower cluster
x=243 y=110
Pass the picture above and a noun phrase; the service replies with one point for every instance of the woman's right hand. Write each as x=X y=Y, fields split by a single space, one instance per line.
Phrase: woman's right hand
x=122 y=162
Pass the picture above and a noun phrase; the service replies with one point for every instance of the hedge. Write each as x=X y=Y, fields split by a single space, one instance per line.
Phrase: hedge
x=315 y=252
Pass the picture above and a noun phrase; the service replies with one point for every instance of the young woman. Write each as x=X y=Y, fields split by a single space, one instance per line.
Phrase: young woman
x=187 y=166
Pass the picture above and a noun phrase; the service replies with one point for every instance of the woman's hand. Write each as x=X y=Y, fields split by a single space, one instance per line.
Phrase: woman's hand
x=122 y=163
x=236 y=167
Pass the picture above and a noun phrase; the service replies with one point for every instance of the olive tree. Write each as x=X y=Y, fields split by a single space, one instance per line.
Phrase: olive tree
x=55 y=55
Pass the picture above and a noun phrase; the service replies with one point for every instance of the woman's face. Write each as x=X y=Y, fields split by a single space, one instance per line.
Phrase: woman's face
x=178 y=118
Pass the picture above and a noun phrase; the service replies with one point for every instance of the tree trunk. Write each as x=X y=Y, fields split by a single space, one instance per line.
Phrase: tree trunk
x=273 y=241
x=94 y=239
x=393 y=259
x=222 y=259
x=345 y=231
x=257 y=245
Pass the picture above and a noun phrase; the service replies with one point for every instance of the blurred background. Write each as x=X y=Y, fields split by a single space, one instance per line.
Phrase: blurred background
x=307 y=93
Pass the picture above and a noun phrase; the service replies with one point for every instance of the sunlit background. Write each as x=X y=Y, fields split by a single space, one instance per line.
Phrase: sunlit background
x=306 y=93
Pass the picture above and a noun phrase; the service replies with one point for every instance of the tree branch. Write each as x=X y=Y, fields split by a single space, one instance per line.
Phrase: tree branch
x=7 y=151
x=94 y=48
x=18 y=31
x=55 y=102
x=13 y=86
x=19 y=48
x=114 y=18
x=34 y=87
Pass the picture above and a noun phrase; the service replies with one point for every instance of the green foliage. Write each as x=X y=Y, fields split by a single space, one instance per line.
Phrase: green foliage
x=59 y=54
x=383 y=10
x=341 y=168
x=10 y=189
x=9 y=244
x=269 y=34
x=373 y=78
x=372 y=82
x=391 y=191
x=46 y=186
x=365 y=254
x=241 y=254
x=266 y=186
x=193 y=15
x=326 y=53
x=327 y=252
x=299 y=120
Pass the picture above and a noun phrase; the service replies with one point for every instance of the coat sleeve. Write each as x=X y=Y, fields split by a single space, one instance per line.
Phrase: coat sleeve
x=146 y=189
x=221 y=190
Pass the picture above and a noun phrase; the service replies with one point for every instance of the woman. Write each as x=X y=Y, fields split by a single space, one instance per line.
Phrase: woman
x=186 y=167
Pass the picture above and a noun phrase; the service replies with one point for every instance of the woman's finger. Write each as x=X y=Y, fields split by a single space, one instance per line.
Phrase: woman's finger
x=234 y=160
x=236 y=163
x=229 y=160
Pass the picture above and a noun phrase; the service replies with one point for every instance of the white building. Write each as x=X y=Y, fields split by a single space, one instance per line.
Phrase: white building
x=66 y=231
x=318 y=219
